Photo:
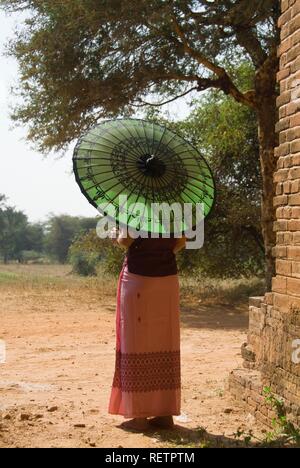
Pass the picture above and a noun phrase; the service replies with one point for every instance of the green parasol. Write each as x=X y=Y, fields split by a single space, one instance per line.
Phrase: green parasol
x=144 y=163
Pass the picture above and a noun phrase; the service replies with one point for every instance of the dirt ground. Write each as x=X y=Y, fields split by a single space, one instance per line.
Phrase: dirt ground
x=55 y=384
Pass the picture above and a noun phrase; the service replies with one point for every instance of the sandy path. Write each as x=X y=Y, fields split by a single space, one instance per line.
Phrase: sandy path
x=60 y=353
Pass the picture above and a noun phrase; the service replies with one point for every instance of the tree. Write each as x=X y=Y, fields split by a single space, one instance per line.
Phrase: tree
x=34 y=237
x=2 y=220
x=88 y=252
x=13 y=225
x=61 y=232
x=226 y=133
x=17 y=234
x=2 y=200
x=82 y=60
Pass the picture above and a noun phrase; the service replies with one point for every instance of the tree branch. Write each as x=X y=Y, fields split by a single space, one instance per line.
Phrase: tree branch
x=161 y=75
x=223 y=82
x=244 y=31
x=194 y=53
x=158 y=104
x=256 y=236
x=242 y=13
x=249 y=41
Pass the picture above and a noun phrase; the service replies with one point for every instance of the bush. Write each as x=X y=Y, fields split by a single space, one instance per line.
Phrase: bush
x=84 y=263
x=88 y=254
x=31 y=256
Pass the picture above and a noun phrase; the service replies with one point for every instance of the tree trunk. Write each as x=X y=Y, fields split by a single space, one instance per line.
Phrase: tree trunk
x=265 y=84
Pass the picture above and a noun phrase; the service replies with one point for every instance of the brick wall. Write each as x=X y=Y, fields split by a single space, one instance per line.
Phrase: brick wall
x=274 y=320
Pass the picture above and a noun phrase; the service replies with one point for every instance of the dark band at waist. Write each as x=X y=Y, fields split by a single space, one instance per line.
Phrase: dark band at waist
x=153 y=266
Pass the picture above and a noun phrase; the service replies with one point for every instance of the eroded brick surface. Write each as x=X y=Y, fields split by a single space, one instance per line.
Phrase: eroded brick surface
x=270 y=357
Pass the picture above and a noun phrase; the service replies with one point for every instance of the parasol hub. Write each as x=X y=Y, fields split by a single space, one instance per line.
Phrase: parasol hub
x=151 y=165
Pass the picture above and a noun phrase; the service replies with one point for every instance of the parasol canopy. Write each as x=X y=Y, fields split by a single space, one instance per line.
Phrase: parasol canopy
x=144 y=163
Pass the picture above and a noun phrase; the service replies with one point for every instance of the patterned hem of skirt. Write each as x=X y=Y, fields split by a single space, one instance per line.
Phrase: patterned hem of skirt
x=145 y=415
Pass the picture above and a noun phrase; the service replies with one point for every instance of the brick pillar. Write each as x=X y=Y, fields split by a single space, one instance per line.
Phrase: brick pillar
x=270 y=355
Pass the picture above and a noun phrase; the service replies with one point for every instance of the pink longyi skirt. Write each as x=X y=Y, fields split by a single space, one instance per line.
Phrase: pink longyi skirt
x=147 y=369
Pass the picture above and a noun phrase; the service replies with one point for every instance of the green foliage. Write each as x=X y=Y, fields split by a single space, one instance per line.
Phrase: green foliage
x=88 y=59
x=85 y=254
x=285 y=433
x=284 y=430
x=34 y=238
x=225 y=133
x=61 y=231
x=85 y=60
x=88 y=253
x=28 y=242
x=84 y=263
x=19 y=239
x=13 y=225
x=2 y=201
x=34 y=257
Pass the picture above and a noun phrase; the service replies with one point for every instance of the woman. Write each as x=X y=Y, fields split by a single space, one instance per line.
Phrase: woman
x=146 y=382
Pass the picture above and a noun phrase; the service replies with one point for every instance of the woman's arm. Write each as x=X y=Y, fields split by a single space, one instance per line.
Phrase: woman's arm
x=180 y=244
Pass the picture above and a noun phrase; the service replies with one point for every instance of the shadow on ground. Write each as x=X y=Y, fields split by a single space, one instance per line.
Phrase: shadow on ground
x=215 y=317
x=191 y=438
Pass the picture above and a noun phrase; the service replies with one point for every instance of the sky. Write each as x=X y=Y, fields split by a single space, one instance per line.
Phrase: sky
x=33 y=183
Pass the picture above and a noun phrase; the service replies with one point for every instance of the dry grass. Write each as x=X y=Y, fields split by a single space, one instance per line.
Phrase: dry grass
x=55 y=270
x=54 y=277
x=193 y=289
x=220 y=291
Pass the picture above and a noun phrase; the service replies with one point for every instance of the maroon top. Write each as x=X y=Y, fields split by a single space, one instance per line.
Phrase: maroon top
x=152 y=257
